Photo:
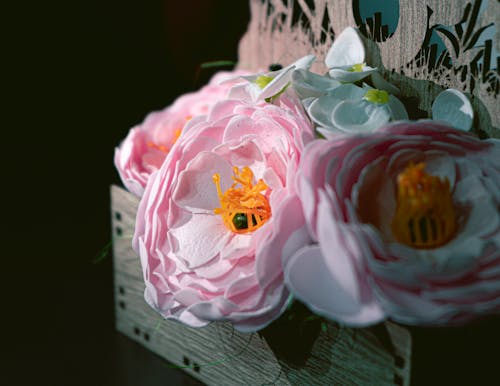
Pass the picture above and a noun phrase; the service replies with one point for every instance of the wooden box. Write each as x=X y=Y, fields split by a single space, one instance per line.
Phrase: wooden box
x=219 y=355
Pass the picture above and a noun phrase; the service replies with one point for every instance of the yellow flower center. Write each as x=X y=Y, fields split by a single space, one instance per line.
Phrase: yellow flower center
x=377 y=96
x=425 y=217
x=263 y=80
x=357 y=67
x=243 y=209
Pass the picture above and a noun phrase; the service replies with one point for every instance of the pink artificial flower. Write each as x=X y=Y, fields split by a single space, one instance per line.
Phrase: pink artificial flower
x=146 y=146
x=207 y=215
x=403 y=223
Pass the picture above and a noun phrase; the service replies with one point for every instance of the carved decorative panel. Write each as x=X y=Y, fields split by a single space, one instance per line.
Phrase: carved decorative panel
x=421 y=46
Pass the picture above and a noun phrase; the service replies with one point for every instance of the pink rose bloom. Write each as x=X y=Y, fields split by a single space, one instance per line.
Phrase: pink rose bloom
x=146 y=146
x=205 y=220
x=403 y=223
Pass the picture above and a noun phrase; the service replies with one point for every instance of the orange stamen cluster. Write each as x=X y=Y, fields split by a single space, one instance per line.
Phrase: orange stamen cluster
x=243 y=209
x=425 y=217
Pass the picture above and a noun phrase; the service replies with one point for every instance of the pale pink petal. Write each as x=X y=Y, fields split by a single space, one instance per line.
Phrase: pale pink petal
x=196 y=270
x=310 y=280
x=196 y=190
x=200 y=239
x=289 y=234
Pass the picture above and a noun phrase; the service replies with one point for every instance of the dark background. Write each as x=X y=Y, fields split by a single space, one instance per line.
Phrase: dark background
x=77 y=76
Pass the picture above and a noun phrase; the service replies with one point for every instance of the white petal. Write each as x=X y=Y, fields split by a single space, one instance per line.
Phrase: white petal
x=252 y=78
x=329 y=132
x=321 y=109
x=453 y=107
x=359 y=116
x=348 y=92
x=342 y=74
x=346 y=50
x=277 y=84
x=308 y=84
x=307 y=102
x=304 y=63
x=240 y=91
x=310 y=280
x=199 y=240
x=398 y=111
x=381 y=84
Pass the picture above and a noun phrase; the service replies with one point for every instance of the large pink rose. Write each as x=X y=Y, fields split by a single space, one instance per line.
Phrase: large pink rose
x=207 y=215
x=146 y=145
x=387 y=236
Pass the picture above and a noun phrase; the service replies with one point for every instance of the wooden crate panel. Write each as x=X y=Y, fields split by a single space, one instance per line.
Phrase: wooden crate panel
x=219 y=355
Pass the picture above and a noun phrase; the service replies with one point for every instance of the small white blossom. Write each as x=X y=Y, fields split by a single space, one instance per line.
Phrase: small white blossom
x=453 y=107
x=352 y=109
x=346 y=58
x=265 y=86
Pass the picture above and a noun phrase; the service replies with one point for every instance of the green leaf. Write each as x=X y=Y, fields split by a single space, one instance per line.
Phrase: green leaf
x=103 y=253
x=218 y=63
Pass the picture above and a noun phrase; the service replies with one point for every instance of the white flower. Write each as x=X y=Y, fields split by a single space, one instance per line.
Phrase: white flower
x=346 y=62
x=308 y=84
x=266 y=86
x=453 y=107
x=352 y=109
x=346 y=58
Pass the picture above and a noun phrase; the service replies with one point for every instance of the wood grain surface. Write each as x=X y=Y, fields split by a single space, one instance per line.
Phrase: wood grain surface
x=219 y=355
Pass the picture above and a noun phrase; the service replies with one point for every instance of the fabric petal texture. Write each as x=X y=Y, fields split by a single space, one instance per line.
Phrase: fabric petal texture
x=347 y=50
x=454 y=108
x=308 y=84
x=355 y=269
x=201 y=263
x=146 y=146
x=346 y=75
x=345 y=109
x=274 y=82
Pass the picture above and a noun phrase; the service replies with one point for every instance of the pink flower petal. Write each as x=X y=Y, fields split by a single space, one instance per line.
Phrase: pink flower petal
x=196 y=190
x=200 y=239
x=309 y=278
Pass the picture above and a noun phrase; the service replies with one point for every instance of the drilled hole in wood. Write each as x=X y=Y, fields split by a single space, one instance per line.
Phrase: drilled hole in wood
x=146 y=337
x=186 y=360
x=196 y=367
x=399 y=361
x=118 y=231
x=121 y=290
x=118 y=216
x=137 y=331
x=398 y=380
x=122 y=304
